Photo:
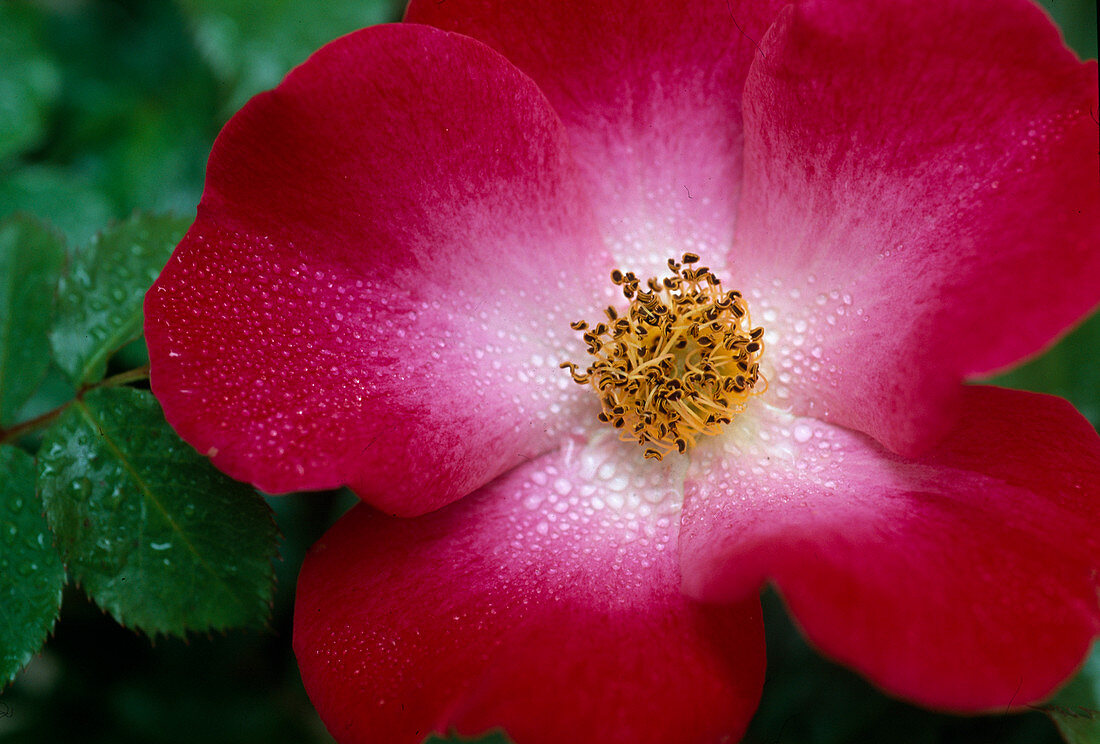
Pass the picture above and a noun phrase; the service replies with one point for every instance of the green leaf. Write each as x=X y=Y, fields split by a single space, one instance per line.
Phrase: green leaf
x=493 y=737
x=31 y=574
x=101 y=298
x=31 y=259
x=62 y=196
x=153 y=533
x=1069 y=370
x=251 y=47
x=1077 y=21
x=1076 y=709
x=137 y=110
x=29 y=80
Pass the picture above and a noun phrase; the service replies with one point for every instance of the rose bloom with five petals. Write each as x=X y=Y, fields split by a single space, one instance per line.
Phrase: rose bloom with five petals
x=391 y=260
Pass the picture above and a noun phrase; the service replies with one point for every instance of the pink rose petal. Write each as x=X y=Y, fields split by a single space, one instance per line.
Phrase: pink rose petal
x=378 y=288
x=921 y=203
x=374 y=292
x=650 y=94
x=547 y=603
x=964 y=580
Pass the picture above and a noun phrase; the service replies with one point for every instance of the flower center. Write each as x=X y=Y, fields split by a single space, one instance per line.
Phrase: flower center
x=681 y=362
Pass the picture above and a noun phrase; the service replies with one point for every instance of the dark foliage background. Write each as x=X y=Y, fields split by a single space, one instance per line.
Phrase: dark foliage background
x=107 y=106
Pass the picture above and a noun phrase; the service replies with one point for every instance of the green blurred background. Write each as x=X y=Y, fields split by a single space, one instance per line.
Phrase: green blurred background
x=107 y=106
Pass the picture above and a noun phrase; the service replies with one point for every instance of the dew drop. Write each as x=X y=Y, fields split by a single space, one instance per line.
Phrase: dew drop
x=803 y=433
x=115 y=498
x=82 y=488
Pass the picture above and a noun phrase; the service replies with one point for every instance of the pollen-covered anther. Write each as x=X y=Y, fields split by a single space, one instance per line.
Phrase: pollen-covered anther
x=679 y=363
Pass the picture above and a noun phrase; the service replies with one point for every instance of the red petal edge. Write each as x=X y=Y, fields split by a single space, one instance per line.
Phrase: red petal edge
x=920 y=204
x=375 y=290
x=548 y=604
x=650 y=94
x=965 y=580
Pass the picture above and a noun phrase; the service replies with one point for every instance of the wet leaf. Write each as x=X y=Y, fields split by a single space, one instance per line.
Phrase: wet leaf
x=100 y=299
x=31 y=260
x=31 y=574
x=153 y=533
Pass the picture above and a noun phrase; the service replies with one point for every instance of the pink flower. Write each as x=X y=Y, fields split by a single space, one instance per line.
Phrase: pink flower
x=378 y=289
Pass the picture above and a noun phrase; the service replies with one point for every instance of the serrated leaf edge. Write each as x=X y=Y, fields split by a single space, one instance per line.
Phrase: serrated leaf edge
x=147 y=492
x=29 y=655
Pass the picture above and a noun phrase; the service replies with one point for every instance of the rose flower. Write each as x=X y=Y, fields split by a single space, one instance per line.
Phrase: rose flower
x=614 y=313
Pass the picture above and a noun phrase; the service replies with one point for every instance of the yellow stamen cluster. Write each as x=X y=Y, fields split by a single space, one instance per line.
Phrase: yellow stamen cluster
x=680 y=362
